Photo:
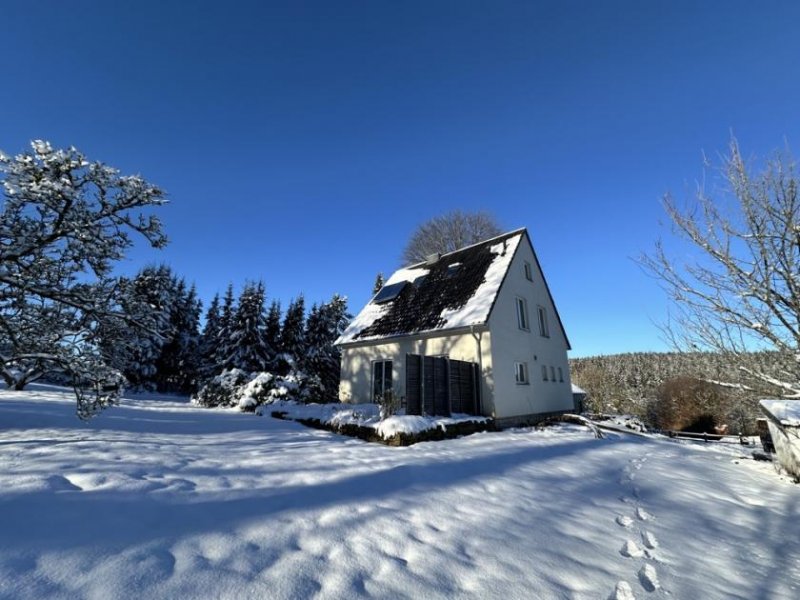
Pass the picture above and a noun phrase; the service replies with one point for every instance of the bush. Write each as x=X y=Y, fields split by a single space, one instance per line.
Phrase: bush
x=689 y=404
x=235 y=387
x=389 y=404
x=222 y=390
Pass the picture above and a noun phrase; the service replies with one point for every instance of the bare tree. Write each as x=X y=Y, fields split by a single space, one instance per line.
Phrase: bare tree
x=449 y=232
x=64 y=221
x=738 y=287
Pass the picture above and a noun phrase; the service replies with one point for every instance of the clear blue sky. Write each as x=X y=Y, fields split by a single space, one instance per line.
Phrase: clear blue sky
x=302 y=142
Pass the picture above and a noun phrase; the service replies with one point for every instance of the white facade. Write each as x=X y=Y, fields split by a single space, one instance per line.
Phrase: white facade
x=514 y=345
x=522 y=357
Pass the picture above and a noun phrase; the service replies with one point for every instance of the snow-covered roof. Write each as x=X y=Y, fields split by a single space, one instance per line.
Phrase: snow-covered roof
x=457 y=290
x=578 y=390
x=787 y=412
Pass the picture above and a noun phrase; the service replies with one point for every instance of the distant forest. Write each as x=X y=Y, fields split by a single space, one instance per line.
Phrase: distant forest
x=647 y=384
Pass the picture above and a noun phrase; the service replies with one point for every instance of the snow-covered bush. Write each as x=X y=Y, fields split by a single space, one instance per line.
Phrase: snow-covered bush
x=224 y=389
x=235 y=387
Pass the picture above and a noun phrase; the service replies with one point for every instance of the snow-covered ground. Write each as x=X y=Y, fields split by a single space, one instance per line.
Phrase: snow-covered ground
x=160 y=499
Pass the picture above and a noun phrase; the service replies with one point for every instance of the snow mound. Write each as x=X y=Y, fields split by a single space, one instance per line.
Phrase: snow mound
x=368 y=415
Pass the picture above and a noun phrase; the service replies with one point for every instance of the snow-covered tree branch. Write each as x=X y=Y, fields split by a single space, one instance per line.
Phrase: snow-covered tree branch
x=738 y=287
x=64 y=222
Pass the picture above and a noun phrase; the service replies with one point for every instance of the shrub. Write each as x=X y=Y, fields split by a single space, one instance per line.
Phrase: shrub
x=689 y=404
x=235 y=387
x=222 y=390
x=389 y=404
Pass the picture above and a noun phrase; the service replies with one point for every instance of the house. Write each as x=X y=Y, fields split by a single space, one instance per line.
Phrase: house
x=473 y=331
x=579 y=398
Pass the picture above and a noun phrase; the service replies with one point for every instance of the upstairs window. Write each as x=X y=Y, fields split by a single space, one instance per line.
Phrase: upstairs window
x=381 y=379
x=560 y=375
x=521 y=372
x=528 y=272
x=553 y=374
x=522 y=314
x=544 y=329
x=544 y=373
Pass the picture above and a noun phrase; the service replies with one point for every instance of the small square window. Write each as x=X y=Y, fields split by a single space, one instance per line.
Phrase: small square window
x=522 y=314
x=521 y=372
x=528 y=272
x=544 y=373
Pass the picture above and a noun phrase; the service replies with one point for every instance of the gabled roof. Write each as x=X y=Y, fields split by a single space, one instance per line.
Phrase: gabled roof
x=455 y=291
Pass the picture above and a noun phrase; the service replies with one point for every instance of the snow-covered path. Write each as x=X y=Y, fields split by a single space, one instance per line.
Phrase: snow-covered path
x=157 y=499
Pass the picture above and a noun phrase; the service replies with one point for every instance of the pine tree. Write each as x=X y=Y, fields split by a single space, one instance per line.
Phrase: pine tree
x=209 y=340
x=249 y=348
x=223 y=349
x=379 y=283
x=147 y=298
x=322 y=360
x=272 y=332
x=293 y=334
x=178 y=363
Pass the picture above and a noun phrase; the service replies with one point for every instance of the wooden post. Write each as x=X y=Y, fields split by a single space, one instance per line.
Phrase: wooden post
x=422 y=384
x=449 y=386
x=476 y=389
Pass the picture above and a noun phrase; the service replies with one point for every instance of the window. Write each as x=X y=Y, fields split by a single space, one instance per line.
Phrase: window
x=560 y=375
x=544 y=373
x=528 y=272
x=521 y=372
x=381 y=378
x=544 y=330
x=522 y=314
x=553 y=374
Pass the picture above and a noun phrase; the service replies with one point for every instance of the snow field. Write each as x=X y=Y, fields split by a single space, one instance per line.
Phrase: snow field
x=158 y=498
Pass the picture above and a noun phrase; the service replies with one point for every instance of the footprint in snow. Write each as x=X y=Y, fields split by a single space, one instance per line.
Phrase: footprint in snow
x=649 y=540
x=631 y=550
x=622 y=591
x=649 y=578
x=643 y=515
x=624 y=521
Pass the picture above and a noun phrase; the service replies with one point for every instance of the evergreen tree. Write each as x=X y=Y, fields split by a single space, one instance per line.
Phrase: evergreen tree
x=249 y=348
x=272 y=332
x=379 y=283
x=147 y=298
x=223 y=350
x=293 y=334
x=210 y=339
x=322 y=360
x=178 y=364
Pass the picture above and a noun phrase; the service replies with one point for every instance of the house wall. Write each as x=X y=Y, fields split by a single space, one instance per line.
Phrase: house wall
x=356 y=373
x=787 y=447
x=511 y=344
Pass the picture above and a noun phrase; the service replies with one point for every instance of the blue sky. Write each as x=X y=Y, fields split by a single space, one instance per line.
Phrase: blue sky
x=302 y=142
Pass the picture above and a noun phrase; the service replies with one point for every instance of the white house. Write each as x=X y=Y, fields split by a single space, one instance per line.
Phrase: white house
x=475 y=331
